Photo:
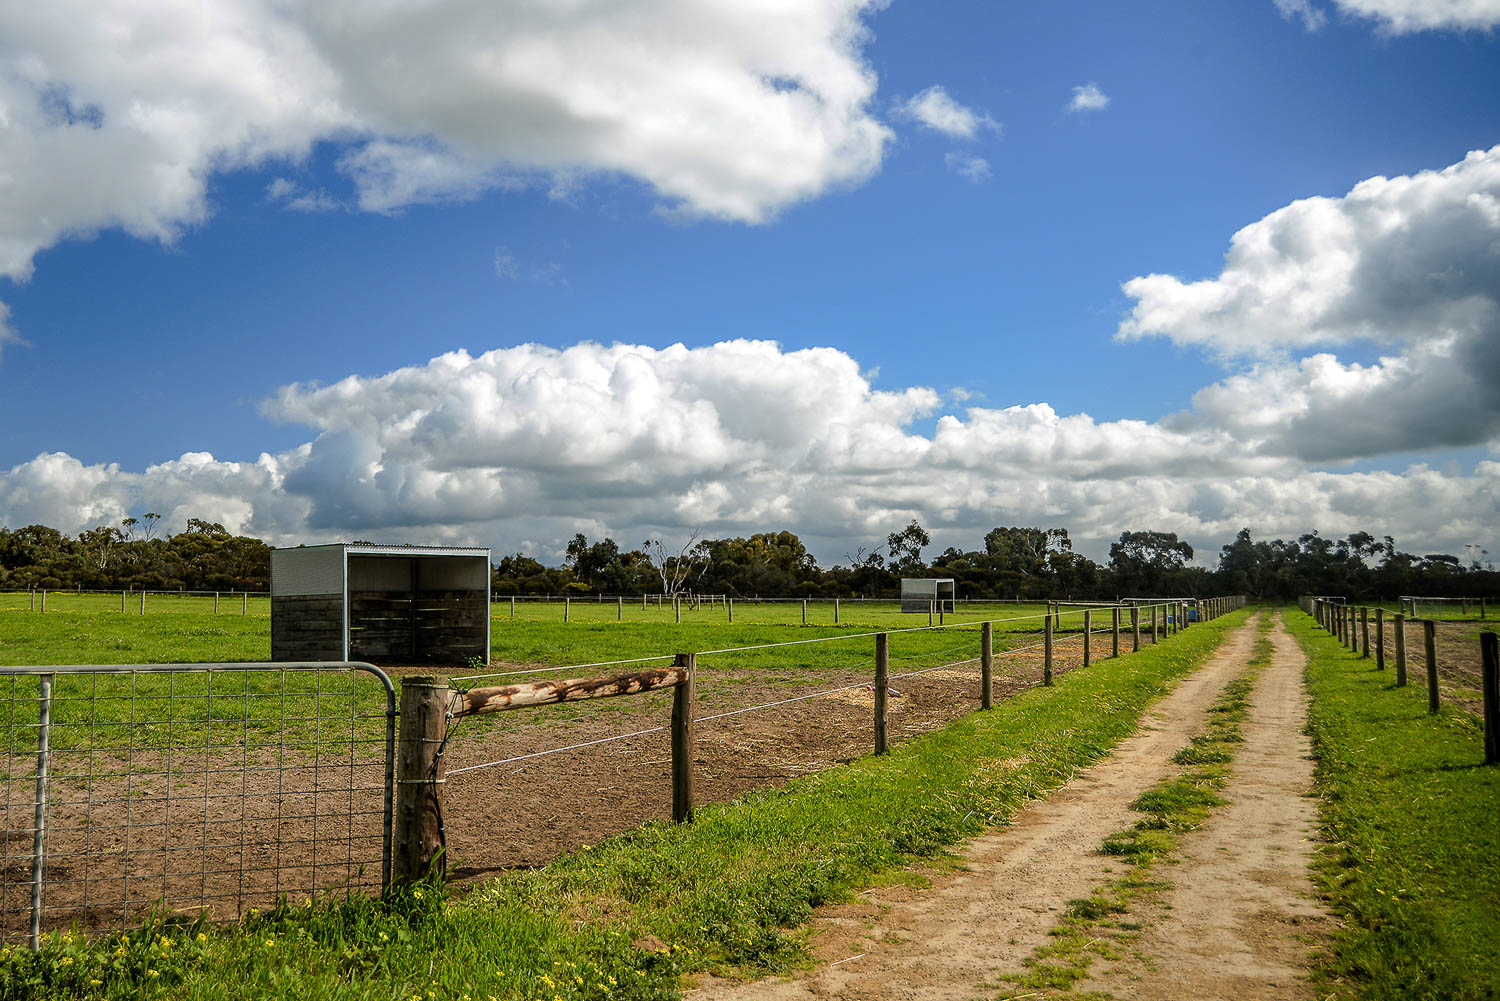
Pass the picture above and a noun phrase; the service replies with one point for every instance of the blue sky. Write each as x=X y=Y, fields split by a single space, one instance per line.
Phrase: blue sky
x=187 y=256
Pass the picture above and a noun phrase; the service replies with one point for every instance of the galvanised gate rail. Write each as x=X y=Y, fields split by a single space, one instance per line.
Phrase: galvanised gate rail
x=190 y=789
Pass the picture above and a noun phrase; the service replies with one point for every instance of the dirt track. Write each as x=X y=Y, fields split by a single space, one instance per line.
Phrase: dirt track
x=1231 y=939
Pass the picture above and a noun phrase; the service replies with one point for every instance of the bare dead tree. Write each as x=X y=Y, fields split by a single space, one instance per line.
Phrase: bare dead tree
x=675 y=571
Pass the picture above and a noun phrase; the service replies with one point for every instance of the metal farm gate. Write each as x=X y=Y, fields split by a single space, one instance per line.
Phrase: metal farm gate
x=189 y=789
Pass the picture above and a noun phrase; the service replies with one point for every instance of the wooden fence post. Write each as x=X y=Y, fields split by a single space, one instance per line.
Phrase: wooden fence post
x=1364 y=629
x=1380 y=639
x=882 y=674
x=931 y=610
x=1155 y=636
x=1114 y=620
x=122 y=602
x=730 y=606
x=1135 y=628
x=244 y=604
x=567 y=607
x=677 y=608
x=682 y=741
x=986 y=664
x=1398 y=626
x=804 y=611
x=143 y=601
x=835 y=611
x=1088 y=637
x=1429 y=637
x=420 y=777
x=1047 y=651
x=1489 y=675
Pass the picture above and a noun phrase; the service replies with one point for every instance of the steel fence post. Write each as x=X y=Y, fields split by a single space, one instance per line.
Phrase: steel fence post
x=39 y=823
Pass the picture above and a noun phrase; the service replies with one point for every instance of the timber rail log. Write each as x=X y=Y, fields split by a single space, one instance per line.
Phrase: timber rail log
x=498 y=698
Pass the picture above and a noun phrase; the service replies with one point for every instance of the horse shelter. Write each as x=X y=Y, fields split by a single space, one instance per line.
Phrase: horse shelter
x=382 y=604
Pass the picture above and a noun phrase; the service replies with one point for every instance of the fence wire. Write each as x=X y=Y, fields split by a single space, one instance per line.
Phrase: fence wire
x=189 y=789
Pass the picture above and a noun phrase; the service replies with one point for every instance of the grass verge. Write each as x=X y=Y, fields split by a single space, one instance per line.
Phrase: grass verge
x=1409 y=814
x=627 y=918
x=1100 y=925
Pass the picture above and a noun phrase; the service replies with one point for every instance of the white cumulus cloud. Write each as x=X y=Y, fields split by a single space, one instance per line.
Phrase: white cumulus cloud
x=1401 y=16
x=1312 y=17
x=7 y=335
x=936 y=110
x=1410 y=264
x=116 y=113
x=1088 y=97
x=975 y=168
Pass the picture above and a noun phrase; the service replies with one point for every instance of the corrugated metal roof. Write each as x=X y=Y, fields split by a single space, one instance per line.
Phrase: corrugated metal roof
x=400 y=549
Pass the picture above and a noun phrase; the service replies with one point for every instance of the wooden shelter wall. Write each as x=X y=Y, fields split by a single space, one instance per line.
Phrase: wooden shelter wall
x=307 y=627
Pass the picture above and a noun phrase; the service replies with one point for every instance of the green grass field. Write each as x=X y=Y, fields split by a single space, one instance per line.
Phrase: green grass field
x=232 y=708
x=91 y=629
x=1413 y=859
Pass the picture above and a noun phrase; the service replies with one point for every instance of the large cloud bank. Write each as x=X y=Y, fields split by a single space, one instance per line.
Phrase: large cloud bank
x=520 y=447
x=115 y=114
x=1408 y=266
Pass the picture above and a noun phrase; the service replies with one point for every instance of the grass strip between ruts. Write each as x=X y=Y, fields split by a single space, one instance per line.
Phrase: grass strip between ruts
x=1411 y=816
x=1100 y=925
x=627 y=918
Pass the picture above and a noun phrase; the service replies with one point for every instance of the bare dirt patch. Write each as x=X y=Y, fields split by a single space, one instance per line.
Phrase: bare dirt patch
x=948 y=939
x=526 y=812
x=1456 y=651
x=223 y=831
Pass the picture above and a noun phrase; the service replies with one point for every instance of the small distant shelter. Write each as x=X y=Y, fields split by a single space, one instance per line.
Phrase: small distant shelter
x=383 y=604
x=920 y=594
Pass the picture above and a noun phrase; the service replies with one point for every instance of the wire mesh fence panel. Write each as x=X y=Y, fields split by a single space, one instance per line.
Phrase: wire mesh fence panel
x=1447 y=609
x=189 y=789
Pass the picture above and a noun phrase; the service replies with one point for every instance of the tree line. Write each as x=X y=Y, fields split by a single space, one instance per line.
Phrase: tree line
x=1011 y=562
x=136 y=555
